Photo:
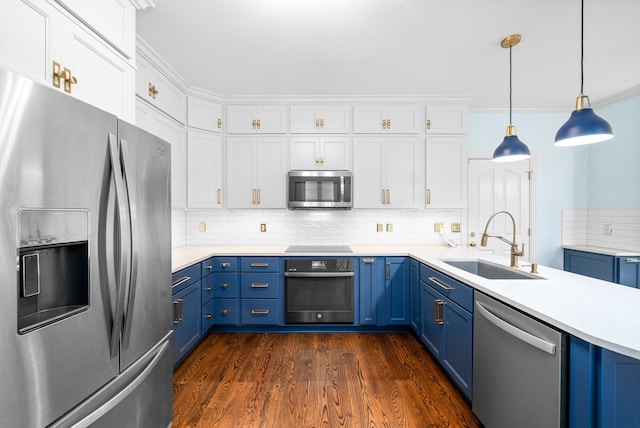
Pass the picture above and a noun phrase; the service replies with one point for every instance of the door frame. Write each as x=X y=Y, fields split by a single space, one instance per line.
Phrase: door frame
x=533 y=198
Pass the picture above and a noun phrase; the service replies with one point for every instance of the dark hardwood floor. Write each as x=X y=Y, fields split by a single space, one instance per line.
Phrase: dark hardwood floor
x=315 y=380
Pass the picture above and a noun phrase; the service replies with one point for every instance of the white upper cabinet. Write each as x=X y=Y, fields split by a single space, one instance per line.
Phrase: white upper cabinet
x=252 y=119
x=158 y=90
x=388 y=172
x=42 y=41
x=112 y=19
x=204 y=114
x=161 y=125
x=446 y=175
x=256 y=172
x=323 y=119
x=387 y=118
x=446 y=119
x=321 y=153
x=204 y=170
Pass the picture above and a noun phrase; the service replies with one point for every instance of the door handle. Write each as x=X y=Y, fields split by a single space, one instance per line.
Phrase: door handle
x=177 y=311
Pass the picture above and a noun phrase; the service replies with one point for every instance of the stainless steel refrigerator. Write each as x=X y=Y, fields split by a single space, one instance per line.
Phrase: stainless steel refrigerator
x=85 y=269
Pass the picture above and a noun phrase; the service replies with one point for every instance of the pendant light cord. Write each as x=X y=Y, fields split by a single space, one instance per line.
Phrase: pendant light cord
x=510 y=84
x=582 y=49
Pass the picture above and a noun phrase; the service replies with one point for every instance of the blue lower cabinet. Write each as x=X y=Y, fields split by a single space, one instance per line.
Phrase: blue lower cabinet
x=414 y=296
x=628 y=269
x=604 y=387
x=372 y=290
x=260 y=312
x=226 y=311
x=187 y=309
x=207 y=317
x=446 y=326
x=397 y=293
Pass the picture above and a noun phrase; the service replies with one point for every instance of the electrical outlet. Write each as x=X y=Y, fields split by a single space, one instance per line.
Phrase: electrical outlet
x=379 y=227
x=455 y=227
x=608 y=229
x=437 y=227
x=263 y=227
x=202 y=226
x=389 y=227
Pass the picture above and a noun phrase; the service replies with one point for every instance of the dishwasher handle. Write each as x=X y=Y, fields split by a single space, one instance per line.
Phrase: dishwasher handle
x=522 y=335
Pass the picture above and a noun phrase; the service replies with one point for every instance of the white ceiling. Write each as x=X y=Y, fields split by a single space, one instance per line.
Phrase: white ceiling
x=400 y=47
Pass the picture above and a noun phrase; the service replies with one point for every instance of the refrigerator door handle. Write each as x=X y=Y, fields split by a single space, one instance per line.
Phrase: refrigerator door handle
x=122 y=245
x=124 y=153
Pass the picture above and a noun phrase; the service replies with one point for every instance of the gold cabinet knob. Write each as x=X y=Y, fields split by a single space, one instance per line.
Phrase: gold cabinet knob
x=472 y=244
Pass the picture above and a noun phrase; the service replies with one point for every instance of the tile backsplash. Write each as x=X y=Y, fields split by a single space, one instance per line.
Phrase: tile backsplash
x=286 y=227
x=592 y=227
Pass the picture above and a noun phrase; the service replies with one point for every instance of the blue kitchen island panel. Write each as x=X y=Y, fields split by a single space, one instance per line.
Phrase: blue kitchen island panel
x=604 y=387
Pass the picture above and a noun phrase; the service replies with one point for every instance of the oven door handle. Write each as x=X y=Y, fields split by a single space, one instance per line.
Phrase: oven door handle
x=319 y=274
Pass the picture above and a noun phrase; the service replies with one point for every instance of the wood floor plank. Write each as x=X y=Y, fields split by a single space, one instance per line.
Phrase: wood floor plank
x=315 y=380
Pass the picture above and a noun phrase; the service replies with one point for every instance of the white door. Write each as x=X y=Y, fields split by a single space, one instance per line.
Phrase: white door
x=405 y=172
x=497 y=187
x=241 y=172
x=204 y=170
x=369 y=168
x=271 y=172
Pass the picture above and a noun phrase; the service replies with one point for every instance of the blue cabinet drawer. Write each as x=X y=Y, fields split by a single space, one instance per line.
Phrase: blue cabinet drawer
x=261 y=285
x=207 y=317
x=225 y=311
x=261 y=264
x=224 y=264
x=458 y=292
x=224 y=285
x=185 y=277
x=260 y=311
x=206 y=267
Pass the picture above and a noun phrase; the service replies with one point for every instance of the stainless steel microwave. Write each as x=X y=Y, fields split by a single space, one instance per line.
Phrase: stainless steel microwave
x=319 y=189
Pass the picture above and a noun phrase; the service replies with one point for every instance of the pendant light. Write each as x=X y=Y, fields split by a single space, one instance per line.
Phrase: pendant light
x=583 y=126
x=511 y=149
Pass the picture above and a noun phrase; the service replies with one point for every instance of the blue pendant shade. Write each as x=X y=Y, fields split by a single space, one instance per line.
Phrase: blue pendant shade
x=511 y=149
x=583 y=127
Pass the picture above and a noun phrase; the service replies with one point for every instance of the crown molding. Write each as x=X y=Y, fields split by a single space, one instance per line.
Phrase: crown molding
x=142 y=4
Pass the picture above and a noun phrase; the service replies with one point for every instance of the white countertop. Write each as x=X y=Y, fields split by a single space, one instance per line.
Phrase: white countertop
x=602 y=250
x=599 y=312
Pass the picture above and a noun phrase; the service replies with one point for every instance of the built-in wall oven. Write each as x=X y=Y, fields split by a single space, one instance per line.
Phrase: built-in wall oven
x=319 y=290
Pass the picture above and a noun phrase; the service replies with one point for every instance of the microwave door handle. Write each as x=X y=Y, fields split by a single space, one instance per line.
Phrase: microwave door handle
x=341 y=199
x=133 y=275
x=122 y=256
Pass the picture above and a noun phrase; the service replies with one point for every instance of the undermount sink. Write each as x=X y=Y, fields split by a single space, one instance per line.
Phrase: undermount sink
x=489 y=270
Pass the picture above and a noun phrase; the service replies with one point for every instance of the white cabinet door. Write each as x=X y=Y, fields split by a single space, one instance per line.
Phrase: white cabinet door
x=325 y=119
x=241 y=172
x=446 y=119
x=158 y=90
x=388 y=119
x=204 y=114
x=251 y=119
x=256 y=172
x=446 y=172
x=369 y=172
x=104 y=78
x=388 y=172
x=271 y=172
x=204 y=170
x=161 y=125
x=405 y=172
x=318 y=153
x=29 y=37
x=112 y=19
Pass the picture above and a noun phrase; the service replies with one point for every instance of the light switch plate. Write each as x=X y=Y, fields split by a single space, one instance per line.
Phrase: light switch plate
x=379 y=227
x=263 y=227
x=437 y=227
x=389 y=227
x=202 y=226
x=455 y=227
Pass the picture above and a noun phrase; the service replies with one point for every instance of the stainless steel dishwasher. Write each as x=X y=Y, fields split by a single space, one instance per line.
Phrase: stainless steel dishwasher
x=518 y=368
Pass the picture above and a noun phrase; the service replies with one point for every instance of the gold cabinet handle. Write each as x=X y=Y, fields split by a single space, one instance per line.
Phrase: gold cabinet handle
x=56 y=74
x=428 y=196
x=259 y=197
x=219 y=123
x=388 y=123
x=321 y=123
x=62 y=75
x=428 y=123
x=219 y=196
x=388 y=197
x=440 y=284
x=384 y=196
x=253 y=196
x=253 y=123
x=258 y=123
x=152 y=91
x=384 y=123
x=317 y=123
